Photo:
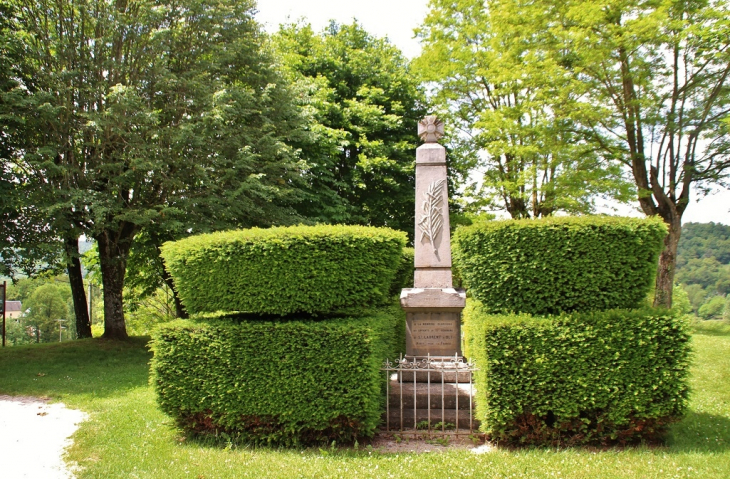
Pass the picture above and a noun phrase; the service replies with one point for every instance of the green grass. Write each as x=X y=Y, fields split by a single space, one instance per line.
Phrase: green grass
x=127 y=436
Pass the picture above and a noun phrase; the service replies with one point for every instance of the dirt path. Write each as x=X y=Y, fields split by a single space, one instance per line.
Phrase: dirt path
x=33 y=435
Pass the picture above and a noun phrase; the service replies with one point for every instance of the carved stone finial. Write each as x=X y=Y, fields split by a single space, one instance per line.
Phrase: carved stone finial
x=431 y=129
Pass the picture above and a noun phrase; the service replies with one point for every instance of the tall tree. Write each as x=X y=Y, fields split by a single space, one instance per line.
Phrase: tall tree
x=644 y=84
x=27 y=244
x=653 y=76
x=363 y=105
x=147 y=111
x=508 y=106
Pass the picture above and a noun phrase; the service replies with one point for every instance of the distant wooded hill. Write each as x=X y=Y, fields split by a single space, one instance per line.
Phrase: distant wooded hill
x=703 y=264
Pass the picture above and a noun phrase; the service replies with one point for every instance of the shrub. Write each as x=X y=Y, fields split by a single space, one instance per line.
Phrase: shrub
x=404 y=275
x=559 y=264
x=280 y=271
x=284 y=382
x=602 y=377
x=714 y=308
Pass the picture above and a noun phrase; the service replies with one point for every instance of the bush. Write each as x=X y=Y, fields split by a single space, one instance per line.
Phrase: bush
x=602 y=377
x=404 y=275
x=559 y=265
x=280 y=271
x=714 y=308
x=283 y=382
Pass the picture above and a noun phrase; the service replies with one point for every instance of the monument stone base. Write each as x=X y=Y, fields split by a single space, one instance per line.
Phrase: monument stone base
x=433 y=321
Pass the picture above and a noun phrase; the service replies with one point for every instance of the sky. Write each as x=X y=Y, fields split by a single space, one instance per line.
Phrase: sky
x=396 y=19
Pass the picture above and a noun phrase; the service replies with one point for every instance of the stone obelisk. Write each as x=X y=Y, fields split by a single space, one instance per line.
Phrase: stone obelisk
x=433 y=307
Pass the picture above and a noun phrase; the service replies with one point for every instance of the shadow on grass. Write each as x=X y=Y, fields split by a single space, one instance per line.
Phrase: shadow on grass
x=92 y=367
x=700 y=432
x=360 y=449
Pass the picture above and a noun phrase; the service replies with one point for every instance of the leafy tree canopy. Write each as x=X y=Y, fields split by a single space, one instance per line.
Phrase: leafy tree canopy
x=639 y=84
x=146 y=115
x=363 y=106
x=510 y=111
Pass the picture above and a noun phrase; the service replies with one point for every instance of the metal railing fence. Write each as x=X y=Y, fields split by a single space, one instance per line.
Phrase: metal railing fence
x=438 y=382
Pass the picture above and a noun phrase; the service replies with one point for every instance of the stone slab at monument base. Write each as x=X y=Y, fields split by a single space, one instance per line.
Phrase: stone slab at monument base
x=433 y=321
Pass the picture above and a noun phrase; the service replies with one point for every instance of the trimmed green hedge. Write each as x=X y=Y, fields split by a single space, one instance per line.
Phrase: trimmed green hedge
x=556 y=265
x=276 y=382
x=404 y=275
x=603 y=377
x=281 y=271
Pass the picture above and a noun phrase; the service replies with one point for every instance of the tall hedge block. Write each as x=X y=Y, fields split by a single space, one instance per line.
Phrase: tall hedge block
x=404 y=275
x=602 y=377
x=283 y=382
x=281 y=271
x=556 y=265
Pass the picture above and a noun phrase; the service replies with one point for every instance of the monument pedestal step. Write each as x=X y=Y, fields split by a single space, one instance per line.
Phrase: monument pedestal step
x=436 y=417
x=434 y=396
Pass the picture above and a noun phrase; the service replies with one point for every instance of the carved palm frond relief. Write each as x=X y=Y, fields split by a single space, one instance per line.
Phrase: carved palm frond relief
x=432 y=220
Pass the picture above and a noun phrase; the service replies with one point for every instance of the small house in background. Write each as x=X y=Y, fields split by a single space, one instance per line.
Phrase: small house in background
x=13 y=309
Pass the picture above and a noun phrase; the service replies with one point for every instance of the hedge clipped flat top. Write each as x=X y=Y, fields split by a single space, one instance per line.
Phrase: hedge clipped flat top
x=277 y=382
x=558 y=265
x=600 y=377
x=279 y=271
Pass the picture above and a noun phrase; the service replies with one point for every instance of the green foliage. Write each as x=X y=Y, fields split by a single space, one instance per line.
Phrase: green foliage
x=181 y=124
x=602 y=377
x=639 y=87
x=16 y=332
x=311 y=269
x=653 y=82
x=713 y=309
x=707 y=272
x=561 y=264
x=47 y=306
x=285 y=382
x=404 y=275
x=49 y=299
x=363 y=105
x=680 y=300
x=509 y=111
x=703 y=264
x=704 y=240
x=150 y=310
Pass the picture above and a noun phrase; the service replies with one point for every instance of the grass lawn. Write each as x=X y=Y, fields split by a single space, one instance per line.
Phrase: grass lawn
x=127 y=436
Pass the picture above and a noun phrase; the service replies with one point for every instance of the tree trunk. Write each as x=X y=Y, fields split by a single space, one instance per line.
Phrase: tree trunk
x=667 y=263
x=180 y=311
x=113 y=252
x=78 y=292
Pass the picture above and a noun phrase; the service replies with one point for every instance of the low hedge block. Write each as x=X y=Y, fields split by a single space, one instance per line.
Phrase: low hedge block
x=283 y=382
x=555 y=265
x=609 y=377
x=282 y=271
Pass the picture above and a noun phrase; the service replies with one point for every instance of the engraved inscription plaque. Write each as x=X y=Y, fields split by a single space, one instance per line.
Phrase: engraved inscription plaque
x=434 y=333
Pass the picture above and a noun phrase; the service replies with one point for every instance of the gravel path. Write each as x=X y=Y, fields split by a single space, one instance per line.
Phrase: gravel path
x=33 y=435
